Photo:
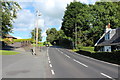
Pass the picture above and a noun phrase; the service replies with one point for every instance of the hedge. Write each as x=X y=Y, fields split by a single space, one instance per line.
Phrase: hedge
x=112 y=57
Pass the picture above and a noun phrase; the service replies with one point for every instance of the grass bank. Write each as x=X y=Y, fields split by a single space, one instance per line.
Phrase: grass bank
x=89 y=49
x=5 y=52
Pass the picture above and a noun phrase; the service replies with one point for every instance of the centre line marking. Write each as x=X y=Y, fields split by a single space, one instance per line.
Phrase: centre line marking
x=62 y=52
x=50 y=65
x=49 y=61
x=53 y=73
x=107 y=76
x=67 y=56
x=80 y=63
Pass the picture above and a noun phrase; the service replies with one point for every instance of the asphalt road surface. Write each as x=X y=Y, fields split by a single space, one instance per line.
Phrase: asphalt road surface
x=66 y=64
x=55 y=62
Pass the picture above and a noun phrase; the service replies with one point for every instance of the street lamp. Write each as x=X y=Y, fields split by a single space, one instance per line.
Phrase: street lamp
x=37 y=15
x=36 y=32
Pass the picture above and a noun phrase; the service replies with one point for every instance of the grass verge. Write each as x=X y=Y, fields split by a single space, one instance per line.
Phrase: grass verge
x=89 y=49
x=5 y=52
x=38 y=45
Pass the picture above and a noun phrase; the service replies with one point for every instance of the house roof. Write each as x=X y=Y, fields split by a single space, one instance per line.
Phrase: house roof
x=115 y=40
x=9 y=36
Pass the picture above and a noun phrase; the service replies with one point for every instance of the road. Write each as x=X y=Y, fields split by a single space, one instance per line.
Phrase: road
x=66 y=64
x=55 y=62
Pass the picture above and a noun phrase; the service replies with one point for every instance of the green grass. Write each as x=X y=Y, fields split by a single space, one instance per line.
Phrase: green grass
x=89 y=49
x=38 y=45
x=5 y=52
x=74 y=50
x=41 y=44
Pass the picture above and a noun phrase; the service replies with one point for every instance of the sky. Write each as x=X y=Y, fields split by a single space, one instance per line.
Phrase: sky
x=52 y=12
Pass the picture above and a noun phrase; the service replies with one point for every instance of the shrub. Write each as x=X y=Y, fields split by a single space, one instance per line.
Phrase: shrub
x=113 y=57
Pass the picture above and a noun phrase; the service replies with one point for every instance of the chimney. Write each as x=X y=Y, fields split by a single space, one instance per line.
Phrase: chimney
x=108 y=28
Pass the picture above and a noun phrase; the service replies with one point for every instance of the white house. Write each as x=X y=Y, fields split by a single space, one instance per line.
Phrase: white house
x=109 y=41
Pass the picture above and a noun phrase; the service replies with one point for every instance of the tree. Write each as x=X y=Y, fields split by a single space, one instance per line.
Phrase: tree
x=8 y=13
x=51 y=35
x=79 y=16
x=103 y=13
x=33 y=33
x=75 y=16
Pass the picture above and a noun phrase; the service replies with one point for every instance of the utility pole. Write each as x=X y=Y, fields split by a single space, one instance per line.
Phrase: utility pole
x=36 y=34
x=37 y=15
x=36 y=28
x=75 y=36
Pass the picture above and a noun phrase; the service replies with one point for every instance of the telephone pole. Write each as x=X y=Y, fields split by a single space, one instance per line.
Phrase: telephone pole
x=37 y=15
x=75 y=36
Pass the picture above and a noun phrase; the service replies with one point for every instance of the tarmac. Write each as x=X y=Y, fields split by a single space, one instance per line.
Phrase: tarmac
x=26 y=65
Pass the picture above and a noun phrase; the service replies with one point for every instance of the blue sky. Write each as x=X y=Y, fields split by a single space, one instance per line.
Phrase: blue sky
x=51 y=12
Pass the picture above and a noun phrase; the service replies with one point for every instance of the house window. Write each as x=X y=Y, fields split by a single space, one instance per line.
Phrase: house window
x=107 y=36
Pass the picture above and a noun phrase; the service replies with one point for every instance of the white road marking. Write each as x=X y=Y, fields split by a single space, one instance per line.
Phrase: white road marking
x=61 y=52
x=53 y=73
x=67 y=56
x=107 y=76
x=50 y=65
x=48 y=59
x=47 y=52
x=49 y=62
x=80 y=63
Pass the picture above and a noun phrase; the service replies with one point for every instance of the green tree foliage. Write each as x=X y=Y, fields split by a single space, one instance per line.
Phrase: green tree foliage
x=8 y=12
x=33 y=34
x=74 y=16
x=51 y=35
x=79 y=16
x=103 y=13
x=56 y=37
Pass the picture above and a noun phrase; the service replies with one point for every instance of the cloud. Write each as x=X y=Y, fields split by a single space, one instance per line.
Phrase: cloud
x=52 y=13
x=18 y=37
x=25 y=20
